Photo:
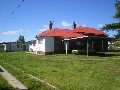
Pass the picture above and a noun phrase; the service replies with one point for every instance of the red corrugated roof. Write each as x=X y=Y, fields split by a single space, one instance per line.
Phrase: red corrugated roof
x=77 y=32
x=60 y=33
x=87 y=30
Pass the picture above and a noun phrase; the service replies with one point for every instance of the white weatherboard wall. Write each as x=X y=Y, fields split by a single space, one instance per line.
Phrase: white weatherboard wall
x=45 y=44
x=49 y=44
x=41 y=44
x=32 y=47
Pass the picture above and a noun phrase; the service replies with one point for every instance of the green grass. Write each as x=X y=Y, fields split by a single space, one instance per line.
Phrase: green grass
x=4 y=85
x=67 y=72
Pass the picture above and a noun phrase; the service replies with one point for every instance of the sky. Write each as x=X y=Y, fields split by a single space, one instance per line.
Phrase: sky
x=31 y=17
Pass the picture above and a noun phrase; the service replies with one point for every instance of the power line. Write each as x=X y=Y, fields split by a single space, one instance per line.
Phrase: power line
x=23 y=0
x=17 y=7
x=12 y=12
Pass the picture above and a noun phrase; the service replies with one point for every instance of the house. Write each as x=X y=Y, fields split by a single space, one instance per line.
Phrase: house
x=13 y=46
x=32 y=46
x=56 y=40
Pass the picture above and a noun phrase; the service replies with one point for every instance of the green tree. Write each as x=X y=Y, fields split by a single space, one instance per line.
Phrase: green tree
x=114 y=26
x=21 y=39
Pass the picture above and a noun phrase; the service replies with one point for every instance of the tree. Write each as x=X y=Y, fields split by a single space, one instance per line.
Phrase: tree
x=117 y=6
x=114 y=26
x=21 y=39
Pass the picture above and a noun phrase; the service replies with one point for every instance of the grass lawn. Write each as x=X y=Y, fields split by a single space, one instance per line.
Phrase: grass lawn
x=67 y=72
x=4 y=84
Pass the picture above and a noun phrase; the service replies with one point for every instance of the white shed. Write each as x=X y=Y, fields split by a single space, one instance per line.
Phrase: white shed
x=42 y=45
x=13 y=46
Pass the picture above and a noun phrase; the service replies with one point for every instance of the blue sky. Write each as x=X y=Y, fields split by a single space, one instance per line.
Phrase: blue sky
x=31 y=17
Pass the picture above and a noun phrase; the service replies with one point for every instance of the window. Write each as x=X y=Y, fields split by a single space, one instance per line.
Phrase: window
x=40 y=41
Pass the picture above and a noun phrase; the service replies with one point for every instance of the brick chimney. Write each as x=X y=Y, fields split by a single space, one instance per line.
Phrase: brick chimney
x=50 y=25
x=74 y=25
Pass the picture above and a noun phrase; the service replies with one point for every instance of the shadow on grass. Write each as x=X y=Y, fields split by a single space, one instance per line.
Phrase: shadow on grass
x=103 y=54
x=6 y=88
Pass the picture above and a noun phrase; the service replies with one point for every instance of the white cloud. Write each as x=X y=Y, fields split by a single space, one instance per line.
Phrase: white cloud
x=65 y=24
x=21 y=30
x=100 y=25
x=58 y=24
x=14 y=32
x=42 y=29
x=10 y=32
x=46 y=26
